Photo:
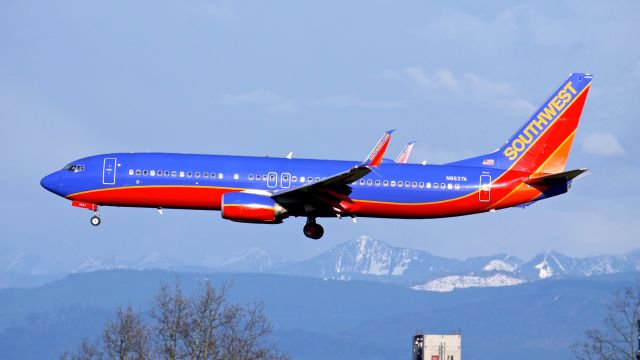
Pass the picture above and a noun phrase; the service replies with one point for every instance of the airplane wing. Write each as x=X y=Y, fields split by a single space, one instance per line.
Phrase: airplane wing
x=331 y=195
x=403 y=157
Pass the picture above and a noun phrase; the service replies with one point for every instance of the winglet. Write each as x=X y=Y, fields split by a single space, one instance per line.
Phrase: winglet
x=403 y=157
x=375 y=157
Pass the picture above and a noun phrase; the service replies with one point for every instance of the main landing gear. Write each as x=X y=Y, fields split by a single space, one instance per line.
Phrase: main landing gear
x=312 y=230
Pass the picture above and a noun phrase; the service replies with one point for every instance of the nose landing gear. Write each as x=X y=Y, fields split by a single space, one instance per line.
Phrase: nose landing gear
x=313 y=230
x=95 y=219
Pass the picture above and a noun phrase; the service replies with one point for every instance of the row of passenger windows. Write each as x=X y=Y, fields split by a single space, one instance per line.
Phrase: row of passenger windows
x=302 y=179
x=174 y=173
x=413 y=184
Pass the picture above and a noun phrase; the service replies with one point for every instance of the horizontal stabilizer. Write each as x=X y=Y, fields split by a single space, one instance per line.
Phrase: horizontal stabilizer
x=555 y=178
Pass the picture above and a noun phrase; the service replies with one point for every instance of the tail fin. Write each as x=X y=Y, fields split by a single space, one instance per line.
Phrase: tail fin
x=543 y=142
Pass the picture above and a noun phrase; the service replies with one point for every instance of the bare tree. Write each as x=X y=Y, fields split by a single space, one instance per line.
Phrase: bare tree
x=170 y=312
x=126 y=337
x=617 y=338
x=242 y=338
x=86 y=351
x=201 y=327
x=208 y=314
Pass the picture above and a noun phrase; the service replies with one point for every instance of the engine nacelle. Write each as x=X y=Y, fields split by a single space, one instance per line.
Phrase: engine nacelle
x=253 y=208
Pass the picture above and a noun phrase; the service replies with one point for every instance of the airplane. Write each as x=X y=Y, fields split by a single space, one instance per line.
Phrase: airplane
x=529 y=167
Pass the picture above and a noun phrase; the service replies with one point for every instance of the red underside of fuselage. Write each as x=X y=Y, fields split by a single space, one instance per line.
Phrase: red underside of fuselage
x=209 y=198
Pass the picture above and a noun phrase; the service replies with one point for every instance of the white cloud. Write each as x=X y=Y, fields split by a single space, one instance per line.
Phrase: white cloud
x=474 y=30
x=603 y=144
x=440 y=79
x=354 y=101
x=264 y=98
x=467 y=85
x=276 y=103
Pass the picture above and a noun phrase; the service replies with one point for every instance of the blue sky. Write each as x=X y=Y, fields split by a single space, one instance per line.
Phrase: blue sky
x=324 y=81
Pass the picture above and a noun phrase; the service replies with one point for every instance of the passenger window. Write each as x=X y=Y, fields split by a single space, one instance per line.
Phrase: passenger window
x=166 y=173
x=220 y=175
x=236 y=176
x=130 y=171
x=159 y=172
x=138 y=172
x=414 y=184
x=361 y=181
x=294 y=178
x=301 y=179
x=435 y=185
x=145 y=172
x=449 y=186
x=152 y=173
x=400 y=184
x=457 y=186
x=421 y=184
x=197 y=174
x=181 y=173
x=369 y=182
x=250 y=176
x=174 y=174
x=317 y=178
x=189 y=174
x=393 y=183
x=428 y=185
x=205 y=174
x=385 y=183
x=442 y=186
x=406 y=184
x=377 y=182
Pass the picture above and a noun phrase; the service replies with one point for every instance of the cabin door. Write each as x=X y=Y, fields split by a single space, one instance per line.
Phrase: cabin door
x=285 y=180
x=272 y=180
x=109 y=171
x=485 y=188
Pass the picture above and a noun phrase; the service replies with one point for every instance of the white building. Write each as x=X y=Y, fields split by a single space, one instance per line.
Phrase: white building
x=437 y=347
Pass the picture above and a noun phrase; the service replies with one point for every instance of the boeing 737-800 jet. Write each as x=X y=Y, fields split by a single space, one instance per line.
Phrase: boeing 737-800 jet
x=529 y=167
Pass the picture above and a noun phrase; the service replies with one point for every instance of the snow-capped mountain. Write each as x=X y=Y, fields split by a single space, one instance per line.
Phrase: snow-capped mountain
x=254 y=260
x=450 y=283
x=556 y=265
x=154 y=260
x=363 y=258
x=369 y=259
x=93 y=264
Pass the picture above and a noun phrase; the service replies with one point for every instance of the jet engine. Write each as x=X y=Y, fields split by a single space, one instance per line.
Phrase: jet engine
x=251 y=208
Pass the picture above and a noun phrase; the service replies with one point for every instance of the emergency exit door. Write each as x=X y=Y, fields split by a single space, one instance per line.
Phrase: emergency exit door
x=109 y=171
x=485 y=188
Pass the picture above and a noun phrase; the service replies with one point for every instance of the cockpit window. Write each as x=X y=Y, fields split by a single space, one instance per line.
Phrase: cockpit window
x=74 y=168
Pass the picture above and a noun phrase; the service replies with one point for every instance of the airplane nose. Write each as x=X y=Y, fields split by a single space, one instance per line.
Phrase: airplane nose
x=51 y=182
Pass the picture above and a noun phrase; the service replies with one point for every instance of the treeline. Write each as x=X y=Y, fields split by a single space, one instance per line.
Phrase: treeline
x=198 y=327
